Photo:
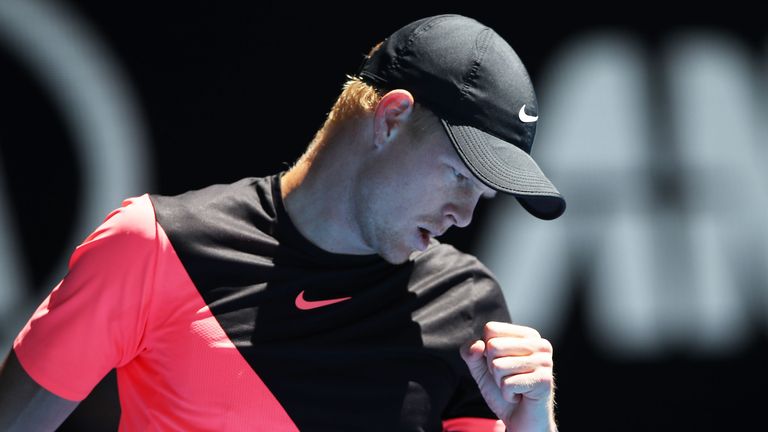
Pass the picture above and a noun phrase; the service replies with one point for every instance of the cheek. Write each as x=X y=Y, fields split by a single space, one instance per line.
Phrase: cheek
x=390 y=200
x=402 y=204
x=408 y=188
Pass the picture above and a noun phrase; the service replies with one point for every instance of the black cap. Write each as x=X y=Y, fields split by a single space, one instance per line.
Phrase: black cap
x=471 y=78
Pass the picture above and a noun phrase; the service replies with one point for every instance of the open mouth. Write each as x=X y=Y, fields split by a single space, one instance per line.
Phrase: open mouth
x=425 y=236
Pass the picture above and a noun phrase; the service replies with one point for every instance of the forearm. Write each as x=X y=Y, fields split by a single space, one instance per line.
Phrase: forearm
x=25 y=405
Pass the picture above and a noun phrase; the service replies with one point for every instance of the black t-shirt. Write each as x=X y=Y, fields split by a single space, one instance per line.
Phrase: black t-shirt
x=383 y=356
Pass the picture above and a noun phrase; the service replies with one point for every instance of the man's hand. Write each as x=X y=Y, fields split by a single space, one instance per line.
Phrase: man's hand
x=513 y=368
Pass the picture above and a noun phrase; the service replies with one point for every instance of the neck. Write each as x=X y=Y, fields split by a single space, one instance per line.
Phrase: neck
x=317 y=196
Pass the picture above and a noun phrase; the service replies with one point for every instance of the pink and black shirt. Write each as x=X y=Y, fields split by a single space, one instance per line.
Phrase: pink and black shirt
x=219 y=315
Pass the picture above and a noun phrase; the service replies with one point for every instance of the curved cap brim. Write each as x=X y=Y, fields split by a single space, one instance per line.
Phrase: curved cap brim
x=506 y=168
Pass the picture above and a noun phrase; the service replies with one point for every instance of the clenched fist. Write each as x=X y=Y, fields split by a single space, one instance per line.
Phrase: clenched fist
x=512 y=365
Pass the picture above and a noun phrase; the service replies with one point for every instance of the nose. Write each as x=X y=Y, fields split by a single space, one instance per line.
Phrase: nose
x=460 y=214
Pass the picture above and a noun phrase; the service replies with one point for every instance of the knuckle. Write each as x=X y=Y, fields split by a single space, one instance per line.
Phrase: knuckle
x=499 y=362
x=548 y=362
x=490 y=343
x=515 y=384
x=488 y=327
x=546 y=379
x=493 y=345
x=508 y=393
x=545 y=359
x=513 y=381
x=546 y=346
x=500 y=378
x=508 y=385
x=526 y=332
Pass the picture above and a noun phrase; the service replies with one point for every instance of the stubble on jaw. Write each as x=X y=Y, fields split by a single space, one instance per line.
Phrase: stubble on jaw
x=383 y=239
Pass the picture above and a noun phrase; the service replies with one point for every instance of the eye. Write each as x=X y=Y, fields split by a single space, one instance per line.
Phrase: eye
x=461 y=177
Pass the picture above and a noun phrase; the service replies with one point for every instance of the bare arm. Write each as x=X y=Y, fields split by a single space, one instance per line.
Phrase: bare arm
x=25 y=405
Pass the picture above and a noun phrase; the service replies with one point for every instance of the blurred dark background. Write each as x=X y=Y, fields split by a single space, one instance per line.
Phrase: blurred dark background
x=210 y=92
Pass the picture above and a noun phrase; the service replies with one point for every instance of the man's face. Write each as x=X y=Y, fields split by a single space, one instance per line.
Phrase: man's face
x=416 y=188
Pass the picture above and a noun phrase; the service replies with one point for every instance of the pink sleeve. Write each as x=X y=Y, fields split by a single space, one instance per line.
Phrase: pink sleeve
x=94 y=319
x=473 y=424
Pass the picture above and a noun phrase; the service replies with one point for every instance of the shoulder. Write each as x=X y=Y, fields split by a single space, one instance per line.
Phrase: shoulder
x=133 y=223
x=248 y=199
x=215 y=195
x=442 y=271
x=239 y=217
x=442 y=257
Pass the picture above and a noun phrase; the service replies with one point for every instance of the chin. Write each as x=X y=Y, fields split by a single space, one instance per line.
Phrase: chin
x=396 y=256
x=399 y=259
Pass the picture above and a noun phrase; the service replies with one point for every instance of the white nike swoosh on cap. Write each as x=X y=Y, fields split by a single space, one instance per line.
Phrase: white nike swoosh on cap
x=525 y=118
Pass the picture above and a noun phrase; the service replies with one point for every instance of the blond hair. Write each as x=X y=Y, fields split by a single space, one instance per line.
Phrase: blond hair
x=358 y=99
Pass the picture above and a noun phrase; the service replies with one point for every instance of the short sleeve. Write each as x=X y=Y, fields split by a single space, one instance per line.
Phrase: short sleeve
x=94 y=319
x=467 y=410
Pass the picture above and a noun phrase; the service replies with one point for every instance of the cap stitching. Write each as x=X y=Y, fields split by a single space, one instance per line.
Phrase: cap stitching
x=483 y=39
x=499 y=169
x=497 y=166
x=491 y=182
x=519 y=180
x=406 y=47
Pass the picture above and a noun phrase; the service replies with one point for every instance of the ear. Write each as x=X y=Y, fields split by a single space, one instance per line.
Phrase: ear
x=391 y=113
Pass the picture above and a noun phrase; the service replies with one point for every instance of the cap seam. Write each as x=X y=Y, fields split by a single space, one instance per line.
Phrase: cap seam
x=522 y=181
x=471 y=76
x=417 y=32
x=494 y=164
